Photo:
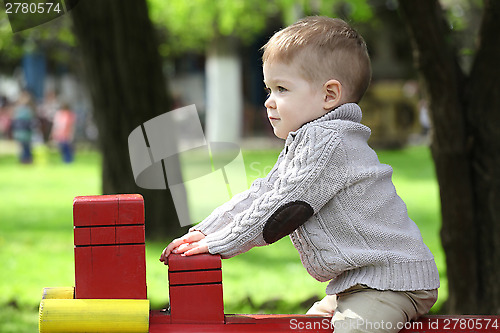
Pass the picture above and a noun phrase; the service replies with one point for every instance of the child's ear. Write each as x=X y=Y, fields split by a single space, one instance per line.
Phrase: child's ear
x=332 y=92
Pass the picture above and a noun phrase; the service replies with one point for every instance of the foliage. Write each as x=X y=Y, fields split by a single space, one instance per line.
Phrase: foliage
x=189 y=25
x=54 y=38
x=463 y=18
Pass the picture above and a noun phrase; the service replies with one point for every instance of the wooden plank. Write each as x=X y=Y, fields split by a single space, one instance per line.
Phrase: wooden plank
x=126 y=234
x=130 y=234
x=110 y=272
x=102 y=235
x=194 y=277
x=196 y=304
x=130 y=209
x=160 y=323
x=95 y=210
x=81 y=236
x=177 y=262
x=194 y=298
x=83 y=272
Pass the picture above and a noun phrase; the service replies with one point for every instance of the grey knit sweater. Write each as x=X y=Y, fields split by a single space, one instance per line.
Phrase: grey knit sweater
x=359 y=232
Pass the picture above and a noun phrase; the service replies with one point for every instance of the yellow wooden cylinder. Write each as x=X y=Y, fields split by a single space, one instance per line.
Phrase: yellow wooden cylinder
x=94 y=315
x=58 y=293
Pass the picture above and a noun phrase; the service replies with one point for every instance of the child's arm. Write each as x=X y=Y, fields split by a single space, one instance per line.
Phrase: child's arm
x=191 y=243
x=224 y=214
x=311 y=173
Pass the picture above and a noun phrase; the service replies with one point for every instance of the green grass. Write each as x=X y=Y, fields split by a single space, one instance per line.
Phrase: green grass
x=36 y=237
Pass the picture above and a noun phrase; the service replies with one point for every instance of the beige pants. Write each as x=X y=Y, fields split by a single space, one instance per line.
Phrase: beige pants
x=362 y=309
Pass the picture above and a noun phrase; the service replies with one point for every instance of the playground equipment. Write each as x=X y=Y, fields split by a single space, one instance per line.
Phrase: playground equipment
x=110 y=286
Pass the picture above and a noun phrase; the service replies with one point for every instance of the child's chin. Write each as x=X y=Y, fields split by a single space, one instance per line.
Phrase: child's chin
x=280 y=134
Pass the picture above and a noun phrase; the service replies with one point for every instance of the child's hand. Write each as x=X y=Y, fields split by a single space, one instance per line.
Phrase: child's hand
x=189 y=244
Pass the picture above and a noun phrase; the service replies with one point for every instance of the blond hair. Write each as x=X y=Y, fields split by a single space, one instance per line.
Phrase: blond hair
x=324 y=48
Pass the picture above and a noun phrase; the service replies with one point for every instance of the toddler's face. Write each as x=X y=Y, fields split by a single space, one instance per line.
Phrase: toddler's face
x=292 y=100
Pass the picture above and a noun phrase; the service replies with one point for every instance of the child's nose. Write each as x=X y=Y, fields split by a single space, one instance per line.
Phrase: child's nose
x=269 y=103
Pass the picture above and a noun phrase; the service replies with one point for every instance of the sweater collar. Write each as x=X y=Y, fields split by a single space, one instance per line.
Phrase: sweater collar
x=348 y=111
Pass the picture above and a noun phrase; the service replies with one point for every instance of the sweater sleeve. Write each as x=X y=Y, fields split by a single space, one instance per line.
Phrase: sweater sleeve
x=305 y=174
x=224 y=214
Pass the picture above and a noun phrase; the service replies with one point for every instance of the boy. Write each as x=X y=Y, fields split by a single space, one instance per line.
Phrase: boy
x=328 y=190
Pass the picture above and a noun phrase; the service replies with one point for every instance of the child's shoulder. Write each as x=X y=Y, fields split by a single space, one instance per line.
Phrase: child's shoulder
x=335 y=127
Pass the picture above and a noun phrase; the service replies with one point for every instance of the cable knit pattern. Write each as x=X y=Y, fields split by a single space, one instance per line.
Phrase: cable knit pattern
x=360 y=231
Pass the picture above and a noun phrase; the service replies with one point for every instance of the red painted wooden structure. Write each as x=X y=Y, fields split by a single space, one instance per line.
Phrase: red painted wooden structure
x=195 y=284
x=110 y=260
x=110 y=263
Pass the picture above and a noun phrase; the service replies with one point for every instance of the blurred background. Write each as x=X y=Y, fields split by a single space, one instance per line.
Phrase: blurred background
x=74 y=86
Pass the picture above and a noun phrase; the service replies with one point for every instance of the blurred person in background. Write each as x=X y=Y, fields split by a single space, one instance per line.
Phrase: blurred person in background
x=22 y=126
x=5 y=118
x=46 y=112
x=63 y=130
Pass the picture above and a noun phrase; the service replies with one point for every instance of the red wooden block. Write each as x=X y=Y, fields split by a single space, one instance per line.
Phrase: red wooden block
x=195 y=289
x=82 y=236
x=127 y=234
x=120 y=234
x=176 y=262
x=160 y=323
x=95 y=210
x=196 y=304
x=109 y=255
x=84 y=276
x=130 y=209
x=102 y=236
x=95 y=236
x=130 y=234
x=194 y=277
x=110 y=272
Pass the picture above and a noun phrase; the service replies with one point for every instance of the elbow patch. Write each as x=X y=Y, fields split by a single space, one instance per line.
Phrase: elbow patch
x=286 y=220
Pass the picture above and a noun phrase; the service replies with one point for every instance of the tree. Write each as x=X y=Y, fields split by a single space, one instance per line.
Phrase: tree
x=466 y=150
x=218 y=27
x=122 y=66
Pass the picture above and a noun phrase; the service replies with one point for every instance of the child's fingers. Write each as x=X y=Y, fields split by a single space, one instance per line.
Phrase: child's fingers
x=183 y=247
x=164 y=256
x=170 y=247
x=198 y=249
x=180 y=245
x=194 y=236
x=187 y=247
x=186 y=241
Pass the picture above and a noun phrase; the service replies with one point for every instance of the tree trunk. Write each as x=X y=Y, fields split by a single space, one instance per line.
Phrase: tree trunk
x=124 y=73
x=465 y=151
x=483 y=114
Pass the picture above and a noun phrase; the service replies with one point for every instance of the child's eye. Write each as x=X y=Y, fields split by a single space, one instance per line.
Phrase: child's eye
x=278 y=88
